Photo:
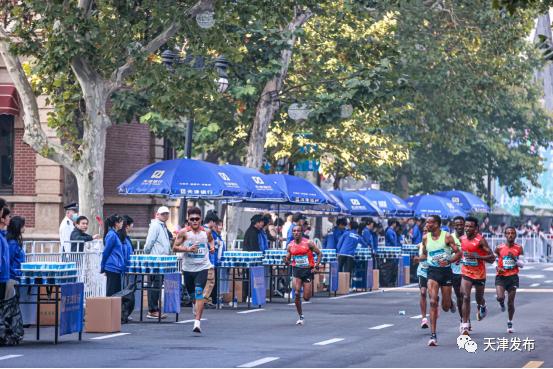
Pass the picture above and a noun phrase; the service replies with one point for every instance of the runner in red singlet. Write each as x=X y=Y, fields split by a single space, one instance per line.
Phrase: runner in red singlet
x=509 y=259
x=300 y=253
x=475 y=251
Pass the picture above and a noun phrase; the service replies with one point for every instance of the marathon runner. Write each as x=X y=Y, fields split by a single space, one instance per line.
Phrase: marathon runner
x=475 y=251
x=509 y=259
x=440 y=250
x=196 y=264
x=422 y=274
x=459 y=226
x=300 y=253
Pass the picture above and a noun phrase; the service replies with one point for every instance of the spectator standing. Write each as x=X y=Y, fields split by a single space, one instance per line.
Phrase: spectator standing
x=67 y=226
x=210 y=225
x=158 y=242
x=4 y=250
x=416 y=234
x=287 y=225
x=346 y=248
x=113 y=256
x=14 y=236
x=79 y=235
x=390 y=237
x=252 y=236
x=123 y=234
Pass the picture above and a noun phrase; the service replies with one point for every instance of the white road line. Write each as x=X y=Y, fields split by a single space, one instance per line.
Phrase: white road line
x=9 y=357
x=534 y=285
x=189 y=321
x=252 y=364
x=328 y=342
x=533 y=276
x=418 y=316
x=110 y=336
x=355 y=294
x=529 y=267
x=250 y=311
x=303 y=302
x=550 y=269
x=549 y=281
x=382 y=326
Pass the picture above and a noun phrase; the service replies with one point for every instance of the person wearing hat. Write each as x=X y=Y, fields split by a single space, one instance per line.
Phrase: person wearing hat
x=252 y=237
x=157 y=243
x=67 y=225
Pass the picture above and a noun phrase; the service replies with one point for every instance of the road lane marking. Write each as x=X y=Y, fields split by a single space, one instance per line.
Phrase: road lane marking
x=356 y=294
x=418 y=316
x=549 y=281
x=533 y=364
x=529 y=267
x=544 y=290
x=534 y=285
x=110 y=336
x=382 y=326
x=250 y=311
x=252 y=364
x=189 y=321
x=303 y=302
x=533 y=276
x=550 y=269
x=328 y=342
x=9 y=357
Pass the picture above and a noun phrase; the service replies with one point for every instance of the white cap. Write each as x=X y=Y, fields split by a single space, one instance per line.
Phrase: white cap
x=163 y=209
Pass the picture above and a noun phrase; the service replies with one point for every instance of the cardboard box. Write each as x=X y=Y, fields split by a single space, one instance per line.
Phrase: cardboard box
x=103 y=315
x=407 y=274
x=343 y=283
x=376 y=279
x=47 y=316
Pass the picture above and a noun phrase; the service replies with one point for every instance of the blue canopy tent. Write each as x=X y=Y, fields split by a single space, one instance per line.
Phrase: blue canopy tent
x=185 y=178
x=390 y=204
x=425 y=205
x=468 y=202
x=356 y=204
x=260 y=187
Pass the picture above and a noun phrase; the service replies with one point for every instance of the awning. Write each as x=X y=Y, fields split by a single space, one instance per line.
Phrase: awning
x=9 y=103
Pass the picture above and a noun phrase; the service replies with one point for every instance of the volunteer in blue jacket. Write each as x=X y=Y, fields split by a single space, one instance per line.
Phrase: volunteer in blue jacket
x=113 y=257
x=4 y=250
x=416 y=234
x=366 y=230
x=391 y=236
x=14 y=236
x=346 y=248
x=123 y=234
x=333 y=237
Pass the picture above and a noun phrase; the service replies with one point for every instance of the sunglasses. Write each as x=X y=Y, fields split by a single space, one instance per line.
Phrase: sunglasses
x=194 y=219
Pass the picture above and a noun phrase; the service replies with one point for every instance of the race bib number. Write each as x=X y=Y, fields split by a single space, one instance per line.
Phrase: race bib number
x=508 y=263
x=436 y=256
x=301 y=260
x=424 y=264
x=469 y=260
x=199 y=255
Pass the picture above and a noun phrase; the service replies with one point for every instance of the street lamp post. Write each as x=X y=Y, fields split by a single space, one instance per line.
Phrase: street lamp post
x=221 y=64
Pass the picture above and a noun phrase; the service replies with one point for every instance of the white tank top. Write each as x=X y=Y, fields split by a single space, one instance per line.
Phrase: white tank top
x=199 y=260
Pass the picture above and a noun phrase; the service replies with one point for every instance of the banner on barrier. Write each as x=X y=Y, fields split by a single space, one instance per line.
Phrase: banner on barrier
x=257 y=281
x=333 y=276
x=171 y=284
x=71 y=308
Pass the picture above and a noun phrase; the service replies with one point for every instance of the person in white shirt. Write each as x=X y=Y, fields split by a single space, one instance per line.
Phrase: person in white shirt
x=286 y=226
x=67 y=226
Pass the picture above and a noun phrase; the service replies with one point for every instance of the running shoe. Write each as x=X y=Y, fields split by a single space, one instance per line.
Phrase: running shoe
x=301 y=320
x=510 y=327
x=502 y=306
x=424 y=323
x=453 y=308
x=197 y=328
x=464 y=329
x=481 y=312
x=433 y=340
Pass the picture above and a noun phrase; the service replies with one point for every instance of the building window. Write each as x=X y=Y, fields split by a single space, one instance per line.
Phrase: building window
x=169 y=152
x=6 y=154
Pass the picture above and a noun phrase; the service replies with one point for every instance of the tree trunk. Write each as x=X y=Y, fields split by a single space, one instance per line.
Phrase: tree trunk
x=546 y=74
x=402 y=185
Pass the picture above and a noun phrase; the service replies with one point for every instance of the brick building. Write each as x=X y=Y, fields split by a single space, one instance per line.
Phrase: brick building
x=37 y=187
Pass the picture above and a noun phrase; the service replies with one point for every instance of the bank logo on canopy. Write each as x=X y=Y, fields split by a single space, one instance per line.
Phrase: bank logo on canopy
x=355 y=202
x=158 y=174
x=224 y=176
x=258 y=180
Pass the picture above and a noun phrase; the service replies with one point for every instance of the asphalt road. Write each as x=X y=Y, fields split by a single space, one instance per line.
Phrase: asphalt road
x=337 y=333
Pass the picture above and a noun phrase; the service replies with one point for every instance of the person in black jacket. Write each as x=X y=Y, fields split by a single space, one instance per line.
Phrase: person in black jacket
x=251 y=238
x=79 y=235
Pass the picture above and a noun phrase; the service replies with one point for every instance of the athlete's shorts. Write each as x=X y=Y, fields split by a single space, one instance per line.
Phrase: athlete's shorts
x=475 y=282
x=456 y=281
x=195 y=283
x=508 y=282
x=441 y=275
x=423 y=282
x=304 y=274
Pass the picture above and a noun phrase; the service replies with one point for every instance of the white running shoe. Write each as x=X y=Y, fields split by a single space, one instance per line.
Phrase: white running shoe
x=424 y=323
x=301 y=320
x=197 y=328
x=510 y=327
x=433 y=340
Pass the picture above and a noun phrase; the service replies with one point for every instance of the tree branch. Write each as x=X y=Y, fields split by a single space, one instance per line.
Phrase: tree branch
x=125 y=70
x=85 y=6
x=34 y=134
